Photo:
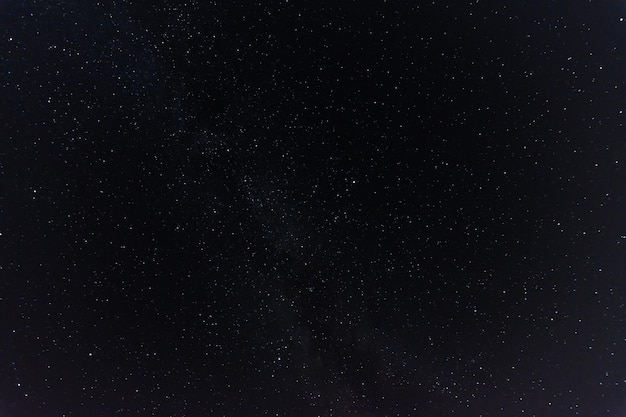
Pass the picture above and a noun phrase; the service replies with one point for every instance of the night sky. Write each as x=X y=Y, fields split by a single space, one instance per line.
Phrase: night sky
x=308 y=208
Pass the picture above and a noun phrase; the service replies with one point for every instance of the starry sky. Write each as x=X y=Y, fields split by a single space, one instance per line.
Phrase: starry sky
x=299 y=208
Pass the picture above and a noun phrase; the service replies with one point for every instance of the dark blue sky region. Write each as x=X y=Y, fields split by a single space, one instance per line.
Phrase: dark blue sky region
x=298 y=208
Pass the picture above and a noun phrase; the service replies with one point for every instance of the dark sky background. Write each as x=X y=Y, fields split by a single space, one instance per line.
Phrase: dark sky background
x=312 y=208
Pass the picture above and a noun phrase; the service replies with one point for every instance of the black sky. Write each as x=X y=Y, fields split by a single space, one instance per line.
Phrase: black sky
x=312 y=208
